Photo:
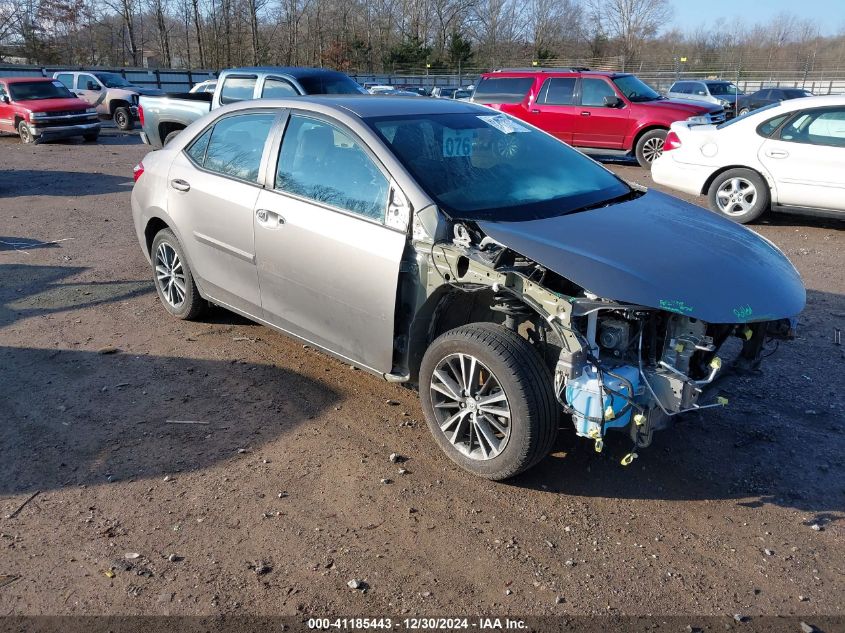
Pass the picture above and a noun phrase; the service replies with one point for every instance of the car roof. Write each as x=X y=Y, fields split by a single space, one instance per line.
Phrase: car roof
x=366 y=106
x=15 y=80
x=551 y=72
x=292 y=71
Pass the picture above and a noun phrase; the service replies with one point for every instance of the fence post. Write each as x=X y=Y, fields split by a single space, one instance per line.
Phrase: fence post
x=158 y=79
x=190 y=79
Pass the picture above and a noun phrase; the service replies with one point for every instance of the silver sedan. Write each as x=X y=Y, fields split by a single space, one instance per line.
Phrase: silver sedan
x=456 y=249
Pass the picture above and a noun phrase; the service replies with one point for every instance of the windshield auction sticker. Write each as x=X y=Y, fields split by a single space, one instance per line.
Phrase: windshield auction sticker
x=504 y=124
x=457 y=143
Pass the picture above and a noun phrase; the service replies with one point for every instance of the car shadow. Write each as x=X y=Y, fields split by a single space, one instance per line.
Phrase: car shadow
x=102 y=418
x=27 y=291
x=31 y=182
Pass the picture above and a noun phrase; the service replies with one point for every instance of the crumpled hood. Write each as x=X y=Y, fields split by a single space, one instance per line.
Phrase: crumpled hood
x=664 y=253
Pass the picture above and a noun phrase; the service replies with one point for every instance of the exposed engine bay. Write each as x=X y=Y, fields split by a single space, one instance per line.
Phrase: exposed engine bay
x=615 y=366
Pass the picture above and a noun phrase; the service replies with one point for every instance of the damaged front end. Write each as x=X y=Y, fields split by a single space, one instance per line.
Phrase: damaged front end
x=621 y=365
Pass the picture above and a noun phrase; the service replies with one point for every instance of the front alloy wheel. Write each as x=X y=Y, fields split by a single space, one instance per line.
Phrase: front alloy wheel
x=488 y=400
x=471 y=408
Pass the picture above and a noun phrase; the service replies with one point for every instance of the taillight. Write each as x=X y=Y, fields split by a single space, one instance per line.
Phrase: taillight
x=138 y=171
x=141 y=115
x=672 y=142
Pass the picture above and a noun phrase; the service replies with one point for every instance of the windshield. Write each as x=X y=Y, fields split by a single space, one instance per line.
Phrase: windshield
x=330 y=84
x=112 y=80
x=480 y=166
x=721 y=89
x=34 y=90
x=635 y=89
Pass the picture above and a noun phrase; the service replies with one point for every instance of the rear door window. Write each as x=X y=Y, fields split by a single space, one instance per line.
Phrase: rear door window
x=558 y=91
x=237 y=89
x=502 y=89
x=276 y=88
x=237 y=143
x=66 y=79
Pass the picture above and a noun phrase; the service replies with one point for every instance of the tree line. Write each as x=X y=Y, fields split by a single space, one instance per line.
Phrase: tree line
x=429 y=36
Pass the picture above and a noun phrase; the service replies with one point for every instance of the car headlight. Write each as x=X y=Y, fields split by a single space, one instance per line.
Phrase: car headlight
x=34 y=116
x=725 y=103
x=699 y=120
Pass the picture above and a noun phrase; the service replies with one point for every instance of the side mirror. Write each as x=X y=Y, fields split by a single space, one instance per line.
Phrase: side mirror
x=4 y=99
x=612 y=101
x=92 y=86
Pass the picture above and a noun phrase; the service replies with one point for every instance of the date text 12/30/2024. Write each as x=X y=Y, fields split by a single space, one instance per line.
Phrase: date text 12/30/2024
x=416 y=624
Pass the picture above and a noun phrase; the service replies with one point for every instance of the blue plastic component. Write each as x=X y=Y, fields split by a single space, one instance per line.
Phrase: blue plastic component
x=586 y=398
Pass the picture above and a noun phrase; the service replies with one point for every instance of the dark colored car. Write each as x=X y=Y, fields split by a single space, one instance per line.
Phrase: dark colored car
x=605 y=111
x=767 y=96
x=37 y=108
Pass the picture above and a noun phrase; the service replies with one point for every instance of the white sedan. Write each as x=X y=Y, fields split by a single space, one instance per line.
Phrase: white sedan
x=788 y=156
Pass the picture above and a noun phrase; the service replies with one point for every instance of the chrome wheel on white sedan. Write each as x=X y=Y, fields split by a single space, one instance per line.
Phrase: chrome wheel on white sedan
x=736 y=197
x=739 y=194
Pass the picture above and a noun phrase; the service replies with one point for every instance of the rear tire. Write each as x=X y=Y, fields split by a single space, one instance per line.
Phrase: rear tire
x=741 y=195
x=25 y=134
x=504 y=369
x=649 y=147
x=123 y=119
x=173 y=279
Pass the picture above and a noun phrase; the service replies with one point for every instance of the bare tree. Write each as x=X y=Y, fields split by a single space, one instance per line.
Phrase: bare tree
x=630 y=22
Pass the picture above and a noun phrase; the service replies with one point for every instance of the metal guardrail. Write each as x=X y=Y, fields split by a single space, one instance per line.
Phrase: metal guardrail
x=181 y=80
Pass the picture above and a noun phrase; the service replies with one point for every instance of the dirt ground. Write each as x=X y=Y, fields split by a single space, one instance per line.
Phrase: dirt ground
x=271 y=500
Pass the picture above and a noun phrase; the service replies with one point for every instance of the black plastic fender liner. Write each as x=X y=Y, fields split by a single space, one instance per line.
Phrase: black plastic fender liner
x=662 y=252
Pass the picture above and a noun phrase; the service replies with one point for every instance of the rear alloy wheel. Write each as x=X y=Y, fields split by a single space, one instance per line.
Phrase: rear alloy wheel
x=650 y=147
x=744 y=111
x=173 y=279
x=488 y=401
x=739 y=194
x=123 y=119
x=25 y=133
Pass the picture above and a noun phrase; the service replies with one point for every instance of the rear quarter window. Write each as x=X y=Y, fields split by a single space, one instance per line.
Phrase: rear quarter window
x=502 y=89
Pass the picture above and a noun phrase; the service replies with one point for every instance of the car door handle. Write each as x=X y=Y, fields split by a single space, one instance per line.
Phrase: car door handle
x=535 y=111
x=777 y=153
x=269 y=219
x=180 y=185
x=585 y=113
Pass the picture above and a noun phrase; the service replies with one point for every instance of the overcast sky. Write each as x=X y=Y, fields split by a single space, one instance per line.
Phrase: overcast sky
x=828 y=14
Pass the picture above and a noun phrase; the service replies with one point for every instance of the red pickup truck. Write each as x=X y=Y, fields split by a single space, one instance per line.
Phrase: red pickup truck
x=39 y=108
x=603 y=111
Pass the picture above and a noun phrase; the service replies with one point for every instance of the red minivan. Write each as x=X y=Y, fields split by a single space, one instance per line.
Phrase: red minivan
x=607 y=112
x=39 y=108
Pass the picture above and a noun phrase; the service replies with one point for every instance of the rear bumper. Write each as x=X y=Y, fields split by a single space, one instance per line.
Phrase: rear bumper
x=680 y=176
x=63 y=131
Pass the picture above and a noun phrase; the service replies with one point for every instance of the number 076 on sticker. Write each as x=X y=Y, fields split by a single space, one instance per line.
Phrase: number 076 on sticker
x=457 y=142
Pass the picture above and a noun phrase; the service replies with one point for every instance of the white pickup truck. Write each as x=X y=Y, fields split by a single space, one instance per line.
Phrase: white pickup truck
x=163 y=117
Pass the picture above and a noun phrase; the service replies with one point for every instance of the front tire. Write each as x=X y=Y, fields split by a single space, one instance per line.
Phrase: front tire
x=25 y=133
x=741 y=195
x=488 y=401
x=91 y=138
x=123 y=119
x=173 y=279
x=170 y=137
x=649 y=147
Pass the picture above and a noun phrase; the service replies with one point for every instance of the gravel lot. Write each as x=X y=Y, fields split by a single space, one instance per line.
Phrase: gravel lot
x=272 y=501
